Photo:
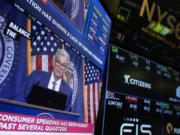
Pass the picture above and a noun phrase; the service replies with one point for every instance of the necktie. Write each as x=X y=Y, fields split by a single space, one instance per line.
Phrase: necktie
x=54 y=85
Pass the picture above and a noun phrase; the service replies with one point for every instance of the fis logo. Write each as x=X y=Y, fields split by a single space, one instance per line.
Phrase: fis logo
x=131 y=81
x=133 y=125
x=171 y=130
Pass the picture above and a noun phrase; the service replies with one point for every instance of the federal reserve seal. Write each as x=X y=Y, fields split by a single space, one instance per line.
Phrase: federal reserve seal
x=7 y=51
x=73 y=81
x=46 y=115
x=75 y=8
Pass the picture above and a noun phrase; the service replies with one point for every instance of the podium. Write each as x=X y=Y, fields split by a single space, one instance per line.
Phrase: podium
x=20 y=118
x=34 y=110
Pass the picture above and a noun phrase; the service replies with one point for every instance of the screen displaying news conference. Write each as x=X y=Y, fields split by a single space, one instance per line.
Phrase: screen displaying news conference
x=141 y=97
x=30 y=34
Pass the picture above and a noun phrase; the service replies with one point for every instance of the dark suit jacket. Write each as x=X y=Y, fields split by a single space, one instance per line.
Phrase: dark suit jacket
x=42 y=78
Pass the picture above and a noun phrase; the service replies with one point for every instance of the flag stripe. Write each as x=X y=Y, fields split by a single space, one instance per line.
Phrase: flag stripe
x=94 y=102
x=33 y=62
x=88 y=103
x=50 y=61
x=96 y=98
x=99 y=91
x=39 y=62
x=91 y=103
x=45 y=63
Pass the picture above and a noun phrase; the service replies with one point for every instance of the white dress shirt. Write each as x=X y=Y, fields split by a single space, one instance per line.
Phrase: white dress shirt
x=58 y=83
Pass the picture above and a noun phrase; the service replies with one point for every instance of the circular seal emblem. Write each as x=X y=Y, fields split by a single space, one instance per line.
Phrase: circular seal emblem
x=1 y=49
x=73 y=81
x=45 y=115
x=75 y=8
x=7 y=51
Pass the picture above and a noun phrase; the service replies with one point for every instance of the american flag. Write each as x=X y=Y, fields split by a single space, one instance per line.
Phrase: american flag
x=43 y=48
x=92 y=92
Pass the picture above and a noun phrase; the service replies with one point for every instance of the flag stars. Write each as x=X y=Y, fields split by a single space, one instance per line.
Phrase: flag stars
x=45 y=49
x=42 y=43
x=52 y=49
x=34 y=27
x=51 y=38
x=48 y=43
x=37 y=33
x=34 y=43
x=38 y=49
x=38 y=38
x=55 y=44
x=45 y=38
x=42 y=32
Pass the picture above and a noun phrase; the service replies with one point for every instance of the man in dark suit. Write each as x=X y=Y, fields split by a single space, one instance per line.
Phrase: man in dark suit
x=52 y=80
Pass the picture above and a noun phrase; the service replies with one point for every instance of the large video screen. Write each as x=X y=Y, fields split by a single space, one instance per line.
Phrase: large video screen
x=140 y=97
x=31 y=34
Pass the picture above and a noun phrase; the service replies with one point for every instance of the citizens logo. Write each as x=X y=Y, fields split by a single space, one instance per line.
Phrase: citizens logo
x=172 y=130
x=131 y=81
x=132 y=126
x=126 y=77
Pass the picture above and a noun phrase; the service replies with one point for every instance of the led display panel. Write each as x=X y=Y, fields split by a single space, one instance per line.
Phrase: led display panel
x=138 y=97
x=83 y=24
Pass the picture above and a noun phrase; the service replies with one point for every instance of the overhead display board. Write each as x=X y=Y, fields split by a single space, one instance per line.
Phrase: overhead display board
x=84 y=25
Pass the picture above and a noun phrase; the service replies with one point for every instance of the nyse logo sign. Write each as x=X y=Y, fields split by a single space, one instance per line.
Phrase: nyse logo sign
x=131 y=81
x=129 y=127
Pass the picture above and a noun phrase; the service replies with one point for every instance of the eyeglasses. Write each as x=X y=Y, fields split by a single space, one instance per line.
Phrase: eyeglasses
x=60 y=65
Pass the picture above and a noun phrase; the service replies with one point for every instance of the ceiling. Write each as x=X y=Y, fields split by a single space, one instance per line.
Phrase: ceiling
x=141 y=43
x=173 y=5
